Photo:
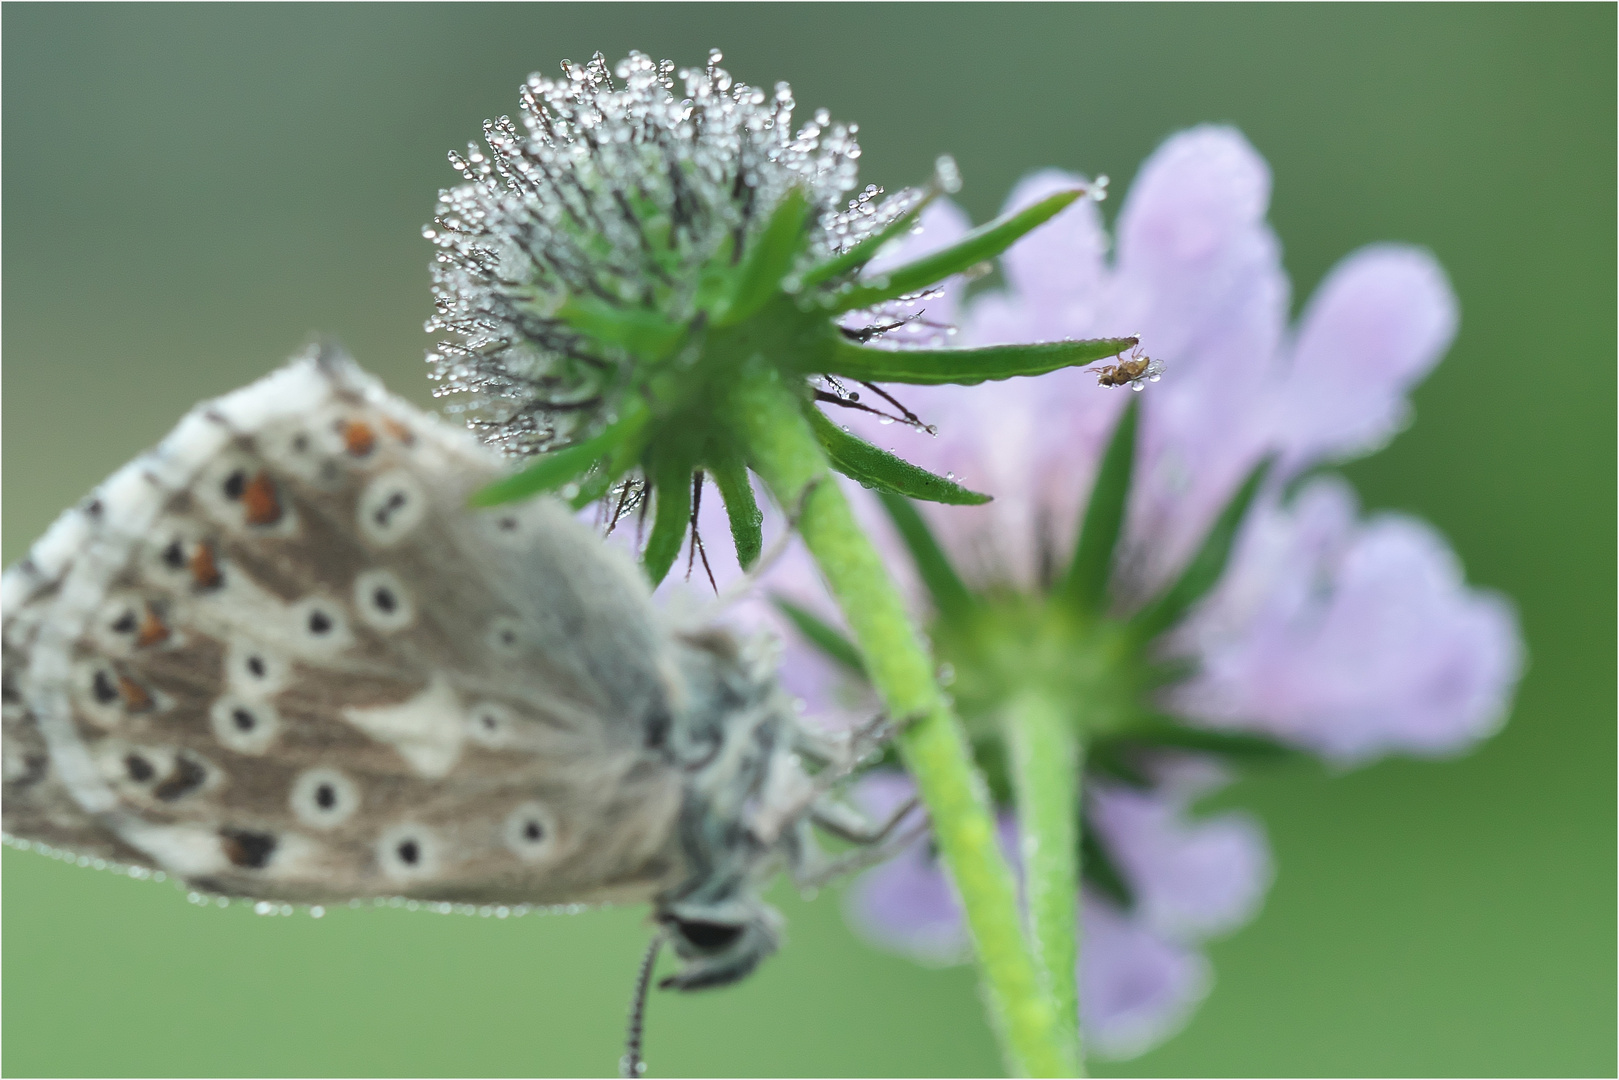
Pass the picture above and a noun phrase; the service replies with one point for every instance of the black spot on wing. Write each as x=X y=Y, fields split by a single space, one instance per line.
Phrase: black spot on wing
x=251 y=850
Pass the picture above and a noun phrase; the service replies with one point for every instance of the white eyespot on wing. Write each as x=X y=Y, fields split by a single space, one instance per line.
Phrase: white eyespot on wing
x=244 y=725
x=409 y=852
x=254 y=671
x=491 y=724
x=319 y=627
x=505 y=636
x=390 y=507
x=106 y=696
x=133 y=768
x=158 y=775
x=427 y=730
x=324 y=798
x=383 y=601
x=530 y=832
x=240 y=493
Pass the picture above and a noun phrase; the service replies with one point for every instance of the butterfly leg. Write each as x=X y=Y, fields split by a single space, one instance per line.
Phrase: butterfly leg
x=845 y=822
x=842 y=752
x=813 y=868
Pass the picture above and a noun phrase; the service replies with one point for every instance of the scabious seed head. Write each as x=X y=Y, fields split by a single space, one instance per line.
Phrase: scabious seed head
x=618 y=216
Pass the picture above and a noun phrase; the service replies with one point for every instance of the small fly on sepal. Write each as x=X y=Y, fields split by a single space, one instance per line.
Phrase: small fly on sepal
x=1135 y=372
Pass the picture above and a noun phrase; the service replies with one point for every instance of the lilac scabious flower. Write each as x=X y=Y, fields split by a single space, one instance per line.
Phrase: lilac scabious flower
x=1319 y=630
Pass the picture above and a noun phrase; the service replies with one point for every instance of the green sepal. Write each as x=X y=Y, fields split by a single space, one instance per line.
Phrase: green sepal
x=643 y=333
x=980 y=245
x=1205 y=567
x=878 y=469
x=867 y=249
x=950 y=595
x=769 y=259
x=671 y=516
x=1101 y=873
x=932 y=367
x=823 y=635
x=1084 y=587
x=1113 y=758
x=741 y=508
x=1238 y=745
x=617 y=442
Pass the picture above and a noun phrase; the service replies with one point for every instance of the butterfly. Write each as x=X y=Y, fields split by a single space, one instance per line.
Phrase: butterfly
x=279 y=657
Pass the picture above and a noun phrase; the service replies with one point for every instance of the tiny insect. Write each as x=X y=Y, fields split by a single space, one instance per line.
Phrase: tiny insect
x=278 y=657
x=1135 y=372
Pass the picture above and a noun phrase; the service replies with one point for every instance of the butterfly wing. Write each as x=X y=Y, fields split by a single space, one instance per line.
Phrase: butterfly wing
x=278 y=657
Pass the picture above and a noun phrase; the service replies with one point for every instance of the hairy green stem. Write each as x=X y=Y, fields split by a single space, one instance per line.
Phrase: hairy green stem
x=1045 y=752
x=785 y=453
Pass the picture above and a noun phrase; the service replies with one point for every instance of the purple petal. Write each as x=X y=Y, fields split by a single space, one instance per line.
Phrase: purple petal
x=1200 y=277
x=1190 y=878
x=1135 y=988
x=1057 y=272
x=1378 y=323
x=1353 y=639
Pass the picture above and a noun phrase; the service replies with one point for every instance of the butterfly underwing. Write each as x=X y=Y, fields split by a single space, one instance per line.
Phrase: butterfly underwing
x=279 y=657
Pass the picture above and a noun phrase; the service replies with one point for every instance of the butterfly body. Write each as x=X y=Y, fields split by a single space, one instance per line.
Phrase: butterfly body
x=278 y=657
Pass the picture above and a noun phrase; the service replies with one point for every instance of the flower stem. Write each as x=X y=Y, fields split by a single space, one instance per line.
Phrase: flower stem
x=785 y=453
x=1045 y=771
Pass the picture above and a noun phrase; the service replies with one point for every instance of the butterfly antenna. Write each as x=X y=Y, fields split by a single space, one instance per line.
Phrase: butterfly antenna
x=631 y=1065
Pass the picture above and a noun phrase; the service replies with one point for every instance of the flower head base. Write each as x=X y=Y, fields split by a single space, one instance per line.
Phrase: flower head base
x=611 y=273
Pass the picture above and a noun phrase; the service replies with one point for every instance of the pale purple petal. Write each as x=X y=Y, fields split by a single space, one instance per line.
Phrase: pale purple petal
x=1057 y=272
x=1136 y=988
x=1191 y=878
x=1351 y=638
x=1200 y=277
x=1379 y=322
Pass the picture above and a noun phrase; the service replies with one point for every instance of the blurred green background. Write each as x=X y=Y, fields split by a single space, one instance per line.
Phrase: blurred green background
x=191 y=191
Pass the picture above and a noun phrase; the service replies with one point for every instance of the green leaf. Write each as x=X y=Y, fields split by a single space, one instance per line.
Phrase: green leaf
x=878 y=469
x=950 y=596
x=619 y=441
x=671 y=517
x=823 y=635
x=1205 y=568
x=979 y=245
x=769 y=259
x=866 y=250
x=1112 y=758
x=747 y=522
x=1101 y=873
x=931 y=367
x=1085 y=585
x=1239 y=745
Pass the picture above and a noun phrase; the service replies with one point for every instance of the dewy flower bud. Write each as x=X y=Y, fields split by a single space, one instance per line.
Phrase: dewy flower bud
x=633 y=203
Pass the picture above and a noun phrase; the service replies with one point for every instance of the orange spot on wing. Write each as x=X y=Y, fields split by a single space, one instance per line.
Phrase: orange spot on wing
x=260 y=502
x=133 y=694
x=358 y=438
x=204 y=570
x=398 y=430
x=152 y=630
